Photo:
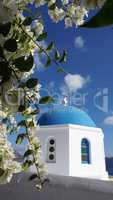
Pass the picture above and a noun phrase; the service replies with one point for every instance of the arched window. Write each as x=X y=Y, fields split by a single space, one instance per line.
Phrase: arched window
x=51 y=150
x=85 y=151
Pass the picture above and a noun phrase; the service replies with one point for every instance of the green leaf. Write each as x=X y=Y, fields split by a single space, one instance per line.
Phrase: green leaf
x=42 y=36
x=5 y=71
x=23 y=64
x=60 y=70
x=32 y=177
x=22 y=85
x=20 y=138
x=22 y=123
x=46 y=99
x=103 y=18
x=63 y=57
x=28 y=153
x=27 y=164
x=24 y=106
x=52 y=7
x=31 y=124
x=35 y=112
x=57 y=55
x=50 y=46
x=2 y=171
x=10 y=45
x=32 y=82
x=28 y=21
x=48 y=62
x=1 y=52
x=21 y=108
x=5 y=28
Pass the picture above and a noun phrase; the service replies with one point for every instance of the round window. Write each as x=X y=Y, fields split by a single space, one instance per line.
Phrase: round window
x=51 y=156
x=51 y=149
x=52 y=141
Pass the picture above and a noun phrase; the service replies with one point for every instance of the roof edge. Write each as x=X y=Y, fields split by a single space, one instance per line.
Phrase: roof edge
x=73 y=126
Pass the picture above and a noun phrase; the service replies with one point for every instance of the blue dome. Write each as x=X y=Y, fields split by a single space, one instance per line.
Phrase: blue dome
x=66 y=115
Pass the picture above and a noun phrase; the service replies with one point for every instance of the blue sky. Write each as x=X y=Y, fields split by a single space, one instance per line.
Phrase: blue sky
x=90 y=54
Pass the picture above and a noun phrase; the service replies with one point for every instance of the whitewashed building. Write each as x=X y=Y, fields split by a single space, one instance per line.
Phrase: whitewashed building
x=72 y=145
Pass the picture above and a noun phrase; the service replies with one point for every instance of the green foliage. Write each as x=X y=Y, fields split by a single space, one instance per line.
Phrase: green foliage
x=31 y=124
x=23 y=64
x=52 y=7
x=1 y=52
x=48 y=62
x=35 y=112
x=32 y=177
x=10 y=45
x=28 y=153
x=5 y=28
x=57 y=55
x=22 y=123
x=23 y=106
x=5 y=71
x=103 y=18
x=31 y=83
x=27 y=164
x=60 y=70
x=20 y=138
x=46 y=99
x=63 y=58
x=50 y=46
x=42 y=36
x=27 y=21
x=1 y=172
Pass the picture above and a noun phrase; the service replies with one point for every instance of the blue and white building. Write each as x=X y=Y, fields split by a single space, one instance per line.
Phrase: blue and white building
x=72 y=145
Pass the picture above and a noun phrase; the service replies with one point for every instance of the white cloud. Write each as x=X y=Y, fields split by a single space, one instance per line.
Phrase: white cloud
x=75 y=81
x=79 y=42
x=108 y=120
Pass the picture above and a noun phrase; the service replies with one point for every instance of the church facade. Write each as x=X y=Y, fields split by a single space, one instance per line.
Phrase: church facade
x=72 y=145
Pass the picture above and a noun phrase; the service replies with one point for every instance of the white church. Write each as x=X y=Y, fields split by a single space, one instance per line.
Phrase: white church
x=72 y=145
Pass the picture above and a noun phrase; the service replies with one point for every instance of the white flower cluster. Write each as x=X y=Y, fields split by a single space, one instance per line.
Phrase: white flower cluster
x=57 y=14
x=7 y=164
x=8 y=10
x=73 y=12
x=36 y=148
x=34 y=94
x=76 y=15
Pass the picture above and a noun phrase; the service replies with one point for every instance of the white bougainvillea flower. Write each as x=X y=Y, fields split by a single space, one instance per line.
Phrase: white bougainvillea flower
x=8 y=166
x=68 y=22
x=57 y=14
x=39 y=28
x=81 y=13
x=39 y=2
x=8 y=10
x=51 y=2
x=65 y=2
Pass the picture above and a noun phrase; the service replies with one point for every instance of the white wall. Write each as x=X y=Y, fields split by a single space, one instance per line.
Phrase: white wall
x=61 y=134
x=96 y=169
